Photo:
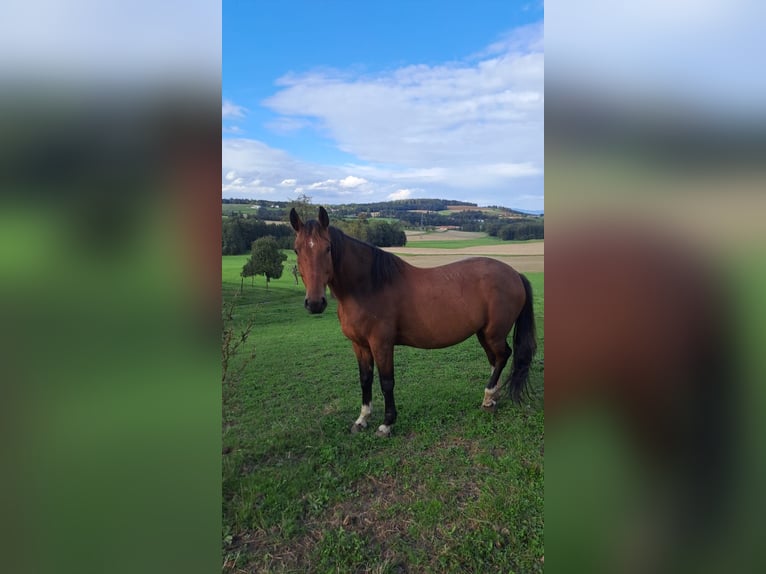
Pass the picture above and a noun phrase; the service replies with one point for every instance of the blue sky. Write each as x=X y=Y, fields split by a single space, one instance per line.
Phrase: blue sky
x=349 y=101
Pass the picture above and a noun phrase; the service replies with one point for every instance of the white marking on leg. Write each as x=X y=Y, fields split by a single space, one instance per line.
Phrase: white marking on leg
x=489 y=397
x=364 y=415
x=384 y=430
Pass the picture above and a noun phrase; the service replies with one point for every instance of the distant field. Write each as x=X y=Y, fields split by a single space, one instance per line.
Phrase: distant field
x=454 y=243
x=451 y=209
x=470 y=247
x=450 y=239
x=227 y=208
x=447 y=235
x=524 y=256
x=454 y=239
x=458 y=208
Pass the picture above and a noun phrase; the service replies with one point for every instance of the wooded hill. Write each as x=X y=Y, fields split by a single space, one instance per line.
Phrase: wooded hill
x=380 y=223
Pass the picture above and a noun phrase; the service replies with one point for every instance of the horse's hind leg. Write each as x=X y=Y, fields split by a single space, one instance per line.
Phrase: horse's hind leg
x=366 y=366
x=498 y=352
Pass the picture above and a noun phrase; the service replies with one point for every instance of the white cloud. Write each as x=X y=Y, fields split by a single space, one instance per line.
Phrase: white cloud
x=352 y=181
x=459 y=177
x=513 y=169
x=348 y=182
x=326 y=184
x=287 y=125
x=230 y=110
x=466 y=129
x=400 y=194
x=262 y=169
x=459 y=114
x=519 y=40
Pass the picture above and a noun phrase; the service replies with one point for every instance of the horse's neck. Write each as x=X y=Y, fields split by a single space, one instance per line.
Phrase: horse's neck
x=353 y=273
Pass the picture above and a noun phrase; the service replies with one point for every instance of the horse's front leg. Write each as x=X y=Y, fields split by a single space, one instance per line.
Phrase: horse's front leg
x=366 y=373
x=384 y=357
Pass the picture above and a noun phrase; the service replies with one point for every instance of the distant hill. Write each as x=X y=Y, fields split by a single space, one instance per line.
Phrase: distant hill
x=417 y=205
x=382 y=223
x=531 y=211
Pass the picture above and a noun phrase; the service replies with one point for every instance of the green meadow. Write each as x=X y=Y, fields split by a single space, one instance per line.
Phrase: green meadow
x=455 y=489
x=453 y=243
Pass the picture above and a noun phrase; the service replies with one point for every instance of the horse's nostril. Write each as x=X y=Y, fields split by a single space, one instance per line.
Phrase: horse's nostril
x=315 y=305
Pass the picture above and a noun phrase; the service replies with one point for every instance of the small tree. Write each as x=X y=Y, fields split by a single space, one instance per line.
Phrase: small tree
x=301 y=204
x=247 y=271
x=265 y=259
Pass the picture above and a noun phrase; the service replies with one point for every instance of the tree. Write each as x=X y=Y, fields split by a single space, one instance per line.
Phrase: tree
x=358 y=228
x=302 y=204
x=233 y=235
x=385 y=234
x=239 y=232
x=265 y=259
x=247 y=271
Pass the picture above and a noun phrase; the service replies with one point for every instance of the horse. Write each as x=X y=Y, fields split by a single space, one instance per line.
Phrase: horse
x=384 y=301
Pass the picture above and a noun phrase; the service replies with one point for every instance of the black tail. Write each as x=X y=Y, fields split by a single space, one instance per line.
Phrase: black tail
x=524 y=346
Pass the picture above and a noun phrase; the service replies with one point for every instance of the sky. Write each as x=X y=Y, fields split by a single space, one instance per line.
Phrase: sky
x=356 y=102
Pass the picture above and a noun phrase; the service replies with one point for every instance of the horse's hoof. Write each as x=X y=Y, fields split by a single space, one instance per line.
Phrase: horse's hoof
x=355 y=428
x=489 y=408
x=383 y=431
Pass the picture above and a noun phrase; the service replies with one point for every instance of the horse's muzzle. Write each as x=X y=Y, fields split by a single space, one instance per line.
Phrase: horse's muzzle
x=315 y=306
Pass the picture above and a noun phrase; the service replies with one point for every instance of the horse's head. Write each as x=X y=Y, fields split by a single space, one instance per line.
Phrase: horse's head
x=312 y=246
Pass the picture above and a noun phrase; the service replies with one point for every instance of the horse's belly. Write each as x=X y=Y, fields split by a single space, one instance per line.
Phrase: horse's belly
x=431 y=343
x=436 y=332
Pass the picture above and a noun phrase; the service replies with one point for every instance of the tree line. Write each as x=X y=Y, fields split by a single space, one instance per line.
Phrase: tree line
x=521 y=230
x=240 y=231
x=377 y=232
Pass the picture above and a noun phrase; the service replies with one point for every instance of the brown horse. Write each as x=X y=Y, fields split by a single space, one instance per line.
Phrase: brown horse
x=384 y=301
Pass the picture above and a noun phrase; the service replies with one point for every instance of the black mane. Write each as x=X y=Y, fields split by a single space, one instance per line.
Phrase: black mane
x=384 y=267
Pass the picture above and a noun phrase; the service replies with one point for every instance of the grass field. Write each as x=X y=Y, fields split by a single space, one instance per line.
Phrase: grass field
x=452 y=239
x=227 y=208
x=455 y=489
x=454 y=243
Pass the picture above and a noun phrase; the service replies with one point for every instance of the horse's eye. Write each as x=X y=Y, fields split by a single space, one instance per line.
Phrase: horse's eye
x=328 y=249
x=296 y=251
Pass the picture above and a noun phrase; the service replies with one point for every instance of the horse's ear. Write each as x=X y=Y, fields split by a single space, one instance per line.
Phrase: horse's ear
x=324 y=219
x=295 y=220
